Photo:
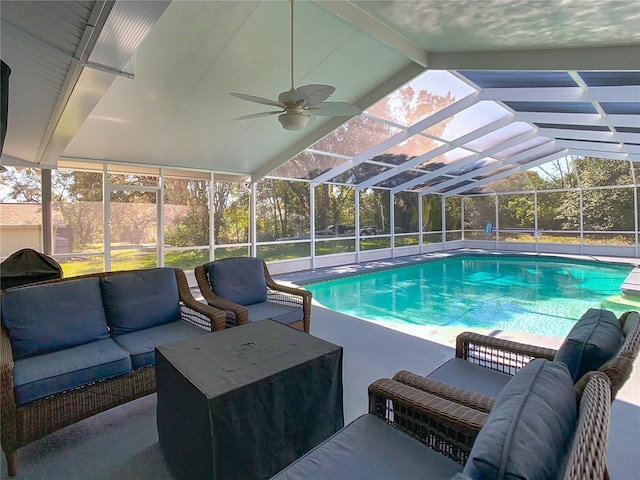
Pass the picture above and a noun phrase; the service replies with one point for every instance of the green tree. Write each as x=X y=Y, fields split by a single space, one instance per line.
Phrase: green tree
x=21 y=185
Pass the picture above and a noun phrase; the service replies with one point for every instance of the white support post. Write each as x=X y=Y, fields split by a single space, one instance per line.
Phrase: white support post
x=212 y=222
x=497 y=224
x=312 y=226
x=252 y=221
x=392 y=224
x=106 y=207
x=357 y=207
x=160 y=220
x=421 y=220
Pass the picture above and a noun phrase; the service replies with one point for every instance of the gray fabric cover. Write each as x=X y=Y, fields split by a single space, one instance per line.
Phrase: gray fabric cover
x=528 y=432
x=463 y=374
x=51 y=317
x=593 y=340
x=133 y=301
x=368 y=449
x=245 y=402
x=284 y=314
x=44 y=375
x=141 y=344
x=239 y=280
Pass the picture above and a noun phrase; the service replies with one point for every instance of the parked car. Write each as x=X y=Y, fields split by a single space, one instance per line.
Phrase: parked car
x=346 y=230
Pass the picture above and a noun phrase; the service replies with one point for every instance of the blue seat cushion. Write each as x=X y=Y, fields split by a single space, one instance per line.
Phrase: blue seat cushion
x=462 y=374
x=51 y=373
x=46 y=318
x=369 y=448
x=593 y=340
x=529 y=430
x=284 y=314
x=239 y=280
x=141 y=344
x=137 y=300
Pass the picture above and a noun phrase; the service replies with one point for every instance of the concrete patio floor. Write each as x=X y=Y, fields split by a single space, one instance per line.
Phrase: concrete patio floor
x=122 y=443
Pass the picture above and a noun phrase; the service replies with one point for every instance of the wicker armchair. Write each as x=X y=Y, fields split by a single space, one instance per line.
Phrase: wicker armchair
x=25 y=423
x=244 y=289
x=507 y=357
x=413 y=419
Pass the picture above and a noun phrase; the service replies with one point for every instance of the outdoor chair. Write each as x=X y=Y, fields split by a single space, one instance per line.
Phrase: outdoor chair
x=244 y=289
x=483 y=365
x=542 y=427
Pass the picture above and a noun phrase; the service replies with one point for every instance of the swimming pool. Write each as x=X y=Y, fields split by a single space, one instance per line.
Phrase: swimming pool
x=543 y=296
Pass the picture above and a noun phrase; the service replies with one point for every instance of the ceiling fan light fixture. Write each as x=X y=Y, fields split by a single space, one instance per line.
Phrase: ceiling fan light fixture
x=293 y=120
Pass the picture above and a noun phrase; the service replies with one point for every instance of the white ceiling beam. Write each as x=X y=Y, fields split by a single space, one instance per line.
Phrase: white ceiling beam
x=611 y=155
x=579 y=119
x=603 y=136
x=563 y=94
x=423 y=124
x=512 y=142
x=507 y=173
x=441 y=150
x=596 y=146
x=359 y=18
x=539 y=150
x=126 y=25
x=614 y=58
x=395 y=82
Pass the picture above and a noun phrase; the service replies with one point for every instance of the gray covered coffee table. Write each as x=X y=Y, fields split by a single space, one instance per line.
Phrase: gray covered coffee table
x=245 y=402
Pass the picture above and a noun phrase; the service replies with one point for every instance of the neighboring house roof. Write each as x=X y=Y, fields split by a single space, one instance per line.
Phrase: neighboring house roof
x=26 y=214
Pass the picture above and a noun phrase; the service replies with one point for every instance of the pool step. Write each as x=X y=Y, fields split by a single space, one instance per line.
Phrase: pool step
x=631 y=286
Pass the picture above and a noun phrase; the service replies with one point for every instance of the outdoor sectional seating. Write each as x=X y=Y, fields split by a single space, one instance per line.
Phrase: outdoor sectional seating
x=74 y=347
x=244 y=289
x=483 y=365
x=541 y=427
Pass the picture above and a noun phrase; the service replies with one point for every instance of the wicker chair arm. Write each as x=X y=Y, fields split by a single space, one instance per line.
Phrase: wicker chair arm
x=630 y=322
x=214 y=319
x=498 y=354
x=445 y=426
x=468 y=398
x=8 y=426
x=587 y=457
x=241 y=313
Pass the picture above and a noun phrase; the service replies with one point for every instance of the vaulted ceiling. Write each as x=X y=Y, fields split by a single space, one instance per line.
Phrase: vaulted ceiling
x=138 y=82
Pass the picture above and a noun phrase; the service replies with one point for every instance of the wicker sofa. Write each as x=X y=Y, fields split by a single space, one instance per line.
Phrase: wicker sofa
x=74 y=347
x=541 y=428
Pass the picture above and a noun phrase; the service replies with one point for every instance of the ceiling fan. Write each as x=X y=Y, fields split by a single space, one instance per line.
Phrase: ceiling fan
x=299 y=105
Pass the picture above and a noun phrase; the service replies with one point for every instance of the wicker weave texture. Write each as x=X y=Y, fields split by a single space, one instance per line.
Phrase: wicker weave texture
x=24 y=424
x=278 y=293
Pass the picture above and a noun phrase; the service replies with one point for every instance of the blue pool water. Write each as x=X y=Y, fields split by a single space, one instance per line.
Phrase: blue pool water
x=540 y=296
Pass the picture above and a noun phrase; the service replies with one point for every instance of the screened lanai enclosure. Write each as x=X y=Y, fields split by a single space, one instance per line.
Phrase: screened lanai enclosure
x=131 y=158
x=434 y=166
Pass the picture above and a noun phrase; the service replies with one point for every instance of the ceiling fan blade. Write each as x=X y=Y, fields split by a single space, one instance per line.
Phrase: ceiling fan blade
x=258 y=115
x=335 y=109
x=312 y=95
x=252 y=98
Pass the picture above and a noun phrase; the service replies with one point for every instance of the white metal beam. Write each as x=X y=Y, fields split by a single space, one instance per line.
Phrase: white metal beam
x=612 y=58
x=579 y=119
x=563 y=94
x=458 y=142
x=539 y=150
x=512 y=142
x=520 y=168
x=378 y=30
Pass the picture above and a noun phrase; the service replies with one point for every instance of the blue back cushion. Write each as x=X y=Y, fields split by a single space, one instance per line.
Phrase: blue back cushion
x=240 y=280
x=51 y=317
x=528 y=432
x=133 y=301
x=593 y=340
